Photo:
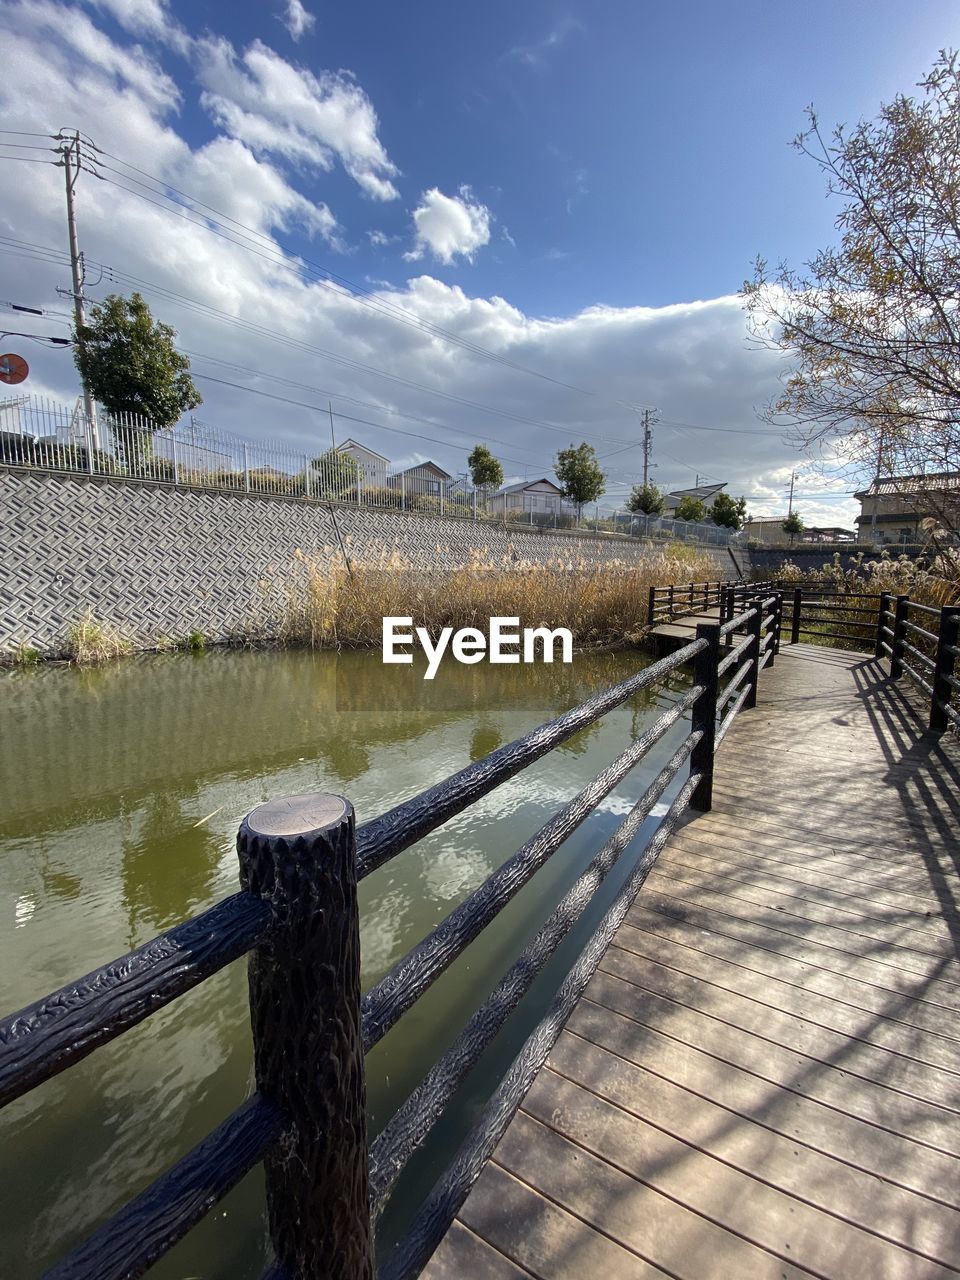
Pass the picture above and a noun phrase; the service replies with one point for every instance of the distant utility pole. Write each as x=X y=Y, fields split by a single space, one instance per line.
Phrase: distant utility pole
x=647 y=445
x=70 y=153
x=793 y=476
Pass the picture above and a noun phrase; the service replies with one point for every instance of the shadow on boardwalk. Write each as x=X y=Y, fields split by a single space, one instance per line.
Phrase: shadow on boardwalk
x=763 y=1077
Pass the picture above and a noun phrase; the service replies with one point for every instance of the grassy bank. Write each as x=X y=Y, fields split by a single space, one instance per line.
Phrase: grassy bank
x=331 y=606
x=327 y=604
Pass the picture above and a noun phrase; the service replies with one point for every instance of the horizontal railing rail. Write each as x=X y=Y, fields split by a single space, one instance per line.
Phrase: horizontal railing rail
x=297 y=917
x=38 y=434
x=934 y=655
x=678 y=600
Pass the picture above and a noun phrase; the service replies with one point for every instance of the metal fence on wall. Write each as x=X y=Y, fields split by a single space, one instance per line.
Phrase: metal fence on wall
x=50 y=436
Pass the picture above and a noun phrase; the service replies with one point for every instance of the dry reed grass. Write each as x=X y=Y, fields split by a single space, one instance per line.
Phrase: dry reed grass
x=327 y=605
x=91 y=641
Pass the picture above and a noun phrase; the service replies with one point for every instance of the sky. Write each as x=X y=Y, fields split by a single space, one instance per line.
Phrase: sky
x=515 y=224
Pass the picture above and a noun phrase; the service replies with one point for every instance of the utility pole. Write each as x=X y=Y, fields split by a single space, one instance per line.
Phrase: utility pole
x=70 y=151
x=793 y=476
x=647 y=446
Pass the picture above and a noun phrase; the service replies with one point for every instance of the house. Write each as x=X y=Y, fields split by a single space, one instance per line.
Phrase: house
x=372 y=465
x=425 y=479
x=705 y=493
x=900 y=509
x=768 y=530
x=539 y=496
x=828 y=533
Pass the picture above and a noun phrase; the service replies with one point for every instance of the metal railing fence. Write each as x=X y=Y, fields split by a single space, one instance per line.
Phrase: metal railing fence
x=46 y=435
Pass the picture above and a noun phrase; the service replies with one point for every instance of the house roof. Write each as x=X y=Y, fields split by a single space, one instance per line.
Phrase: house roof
x=527 y=484
x=428 y=466
x=933 y=481
x=365 y=447
x=700 y=491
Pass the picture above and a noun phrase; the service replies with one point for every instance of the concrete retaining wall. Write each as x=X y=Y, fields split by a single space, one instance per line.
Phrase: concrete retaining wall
x=159 y=561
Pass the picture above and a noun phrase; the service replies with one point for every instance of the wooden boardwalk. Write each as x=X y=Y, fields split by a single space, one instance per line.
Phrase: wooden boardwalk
x=763 y=1077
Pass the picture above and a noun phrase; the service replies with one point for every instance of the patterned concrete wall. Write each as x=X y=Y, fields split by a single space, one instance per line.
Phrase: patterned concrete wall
x=158 y=561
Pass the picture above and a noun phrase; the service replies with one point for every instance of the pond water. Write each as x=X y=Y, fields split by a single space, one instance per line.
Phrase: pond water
x=121 y=791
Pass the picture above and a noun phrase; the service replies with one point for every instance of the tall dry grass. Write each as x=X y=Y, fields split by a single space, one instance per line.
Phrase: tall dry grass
x=897 y=575
x=328 y=605
x=91 y=640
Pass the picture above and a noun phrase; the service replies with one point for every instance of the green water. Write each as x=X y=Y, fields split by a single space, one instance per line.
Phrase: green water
x=120 y=795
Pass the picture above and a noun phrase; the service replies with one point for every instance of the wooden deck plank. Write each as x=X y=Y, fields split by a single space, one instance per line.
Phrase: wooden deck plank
x=464 y=1253
x=891 y=1091
x=819 y=1028
x=763 y=1076
x=784 y=1103
x=830 y=950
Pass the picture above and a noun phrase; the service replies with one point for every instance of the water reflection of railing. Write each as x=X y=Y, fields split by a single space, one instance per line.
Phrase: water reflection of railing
x=300 y=861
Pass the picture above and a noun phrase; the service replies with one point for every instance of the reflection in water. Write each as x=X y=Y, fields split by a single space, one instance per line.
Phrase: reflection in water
x=120 y=795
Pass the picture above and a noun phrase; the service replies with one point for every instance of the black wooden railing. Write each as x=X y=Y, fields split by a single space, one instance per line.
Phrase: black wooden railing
x=923 y=643
x=300 y=861
x=680 y=599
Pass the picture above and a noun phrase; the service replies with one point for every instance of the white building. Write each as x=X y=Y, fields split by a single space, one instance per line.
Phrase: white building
x=373 y=465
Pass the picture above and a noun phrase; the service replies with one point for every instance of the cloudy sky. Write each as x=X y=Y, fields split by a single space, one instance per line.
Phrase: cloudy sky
x=511 y=223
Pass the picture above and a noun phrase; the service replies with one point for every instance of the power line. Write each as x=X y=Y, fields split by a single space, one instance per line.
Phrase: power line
x=325 y=391
x=37 y=337
x=361 y=295
x=203 y=308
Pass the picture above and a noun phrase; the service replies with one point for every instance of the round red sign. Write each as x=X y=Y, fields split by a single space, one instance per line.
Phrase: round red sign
x=13 y=369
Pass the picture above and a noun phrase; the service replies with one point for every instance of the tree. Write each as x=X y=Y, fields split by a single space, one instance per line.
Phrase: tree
x=338 y=474
x=485 y=470
x=130 y=364
x=580 y=476
x=690 y=509
x=728 y=512
x=793 y=525
x=872 y=323
x=646 y=499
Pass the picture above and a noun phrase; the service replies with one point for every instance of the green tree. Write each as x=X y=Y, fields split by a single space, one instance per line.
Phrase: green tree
x=485 y=470
x=690 y=509
x=581 y=478
x=871 y=324
x=729 y=513
x=793 y=525
x=338 y=474
x=645 y=499
x=130 y=364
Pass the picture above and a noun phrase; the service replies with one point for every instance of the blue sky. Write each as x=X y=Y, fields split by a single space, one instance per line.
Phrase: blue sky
x=580 y=189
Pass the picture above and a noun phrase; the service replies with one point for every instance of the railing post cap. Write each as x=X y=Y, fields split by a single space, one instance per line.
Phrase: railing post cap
x=303 y=815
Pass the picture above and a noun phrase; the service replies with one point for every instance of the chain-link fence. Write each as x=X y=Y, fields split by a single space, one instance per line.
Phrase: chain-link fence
x=50 y=436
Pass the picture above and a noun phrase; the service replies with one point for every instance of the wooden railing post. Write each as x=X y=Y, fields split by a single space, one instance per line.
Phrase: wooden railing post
x=754 y=629
x=775 y=629
x=299 y=853
x=797 y=610
x=670 y=603
x=651 y=605
x=704 y=715
x=882 y=622
x=947 y=640
x=899 y=636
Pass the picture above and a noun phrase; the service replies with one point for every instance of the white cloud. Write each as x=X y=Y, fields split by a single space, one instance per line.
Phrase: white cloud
x=282 y=110
x=535 y=54
x=146 y=18
x=297 y=19
x=73 y=42
x=691 y=359
x=449 y=227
